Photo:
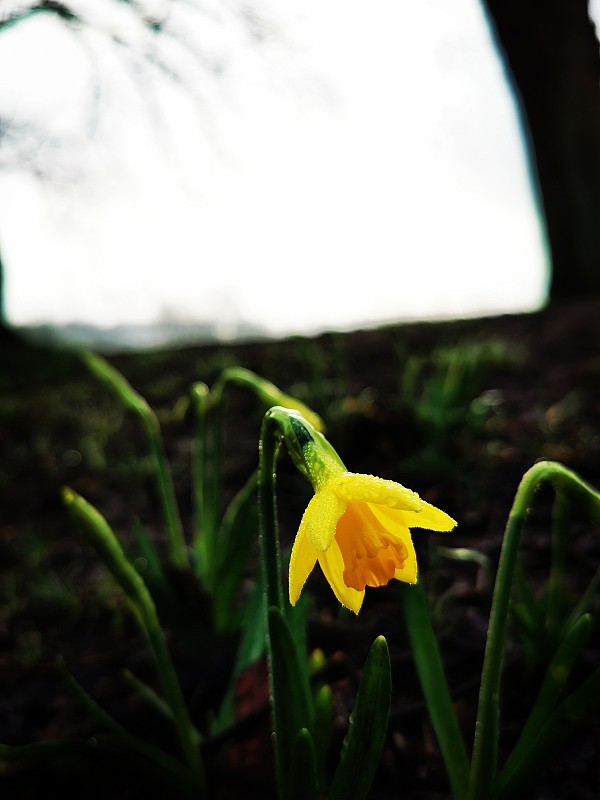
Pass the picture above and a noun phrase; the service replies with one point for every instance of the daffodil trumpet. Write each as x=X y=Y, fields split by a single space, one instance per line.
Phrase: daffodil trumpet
x=356 y=526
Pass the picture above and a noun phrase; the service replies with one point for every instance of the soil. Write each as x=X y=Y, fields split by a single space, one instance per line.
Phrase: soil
x=456 y=410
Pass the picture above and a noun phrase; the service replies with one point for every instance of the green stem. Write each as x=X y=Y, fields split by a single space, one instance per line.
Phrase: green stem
x=290 y=698
x=211 y=452
x=269 y=395
x=556 y=581
x=485 y=747
x=269 y=535
x=102 y=538
x=200 y=544
x=177 y=548
x=213 y=480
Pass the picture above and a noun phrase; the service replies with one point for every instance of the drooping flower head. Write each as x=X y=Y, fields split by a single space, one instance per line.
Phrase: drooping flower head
x=356 y=526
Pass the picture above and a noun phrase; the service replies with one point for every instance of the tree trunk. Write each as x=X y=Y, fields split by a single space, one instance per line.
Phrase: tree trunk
x=553 y=57
x=8 y=335
x=2 y=308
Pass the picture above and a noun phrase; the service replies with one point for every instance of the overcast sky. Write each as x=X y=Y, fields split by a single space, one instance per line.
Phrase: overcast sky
x=361 y=163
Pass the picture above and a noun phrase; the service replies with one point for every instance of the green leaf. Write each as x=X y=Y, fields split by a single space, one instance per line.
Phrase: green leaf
x=585 y=602
x=185 y=778
x=323 y=726
x=431 y=673
x=485 y=746
x=238 y=532
x=153 y=575
x=556 y=594
x=304 y=776
x=112 y=378
x=527 y=613
x=292 y=703
x=557 y=675
x=250 y=649
x=468 y=555
x=147 y=551
x=551 y=738
x=149 y=696
x=100 y=535
x=295 y=616
x=367 y=732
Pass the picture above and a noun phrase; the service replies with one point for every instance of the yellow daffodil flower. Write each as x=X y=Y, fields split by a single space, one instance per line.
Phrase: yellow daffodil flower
x=356 y=526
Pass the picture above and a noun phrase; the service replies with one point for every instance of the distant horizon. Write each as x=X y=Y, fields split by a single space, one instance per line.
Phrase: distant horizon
x=133 y=336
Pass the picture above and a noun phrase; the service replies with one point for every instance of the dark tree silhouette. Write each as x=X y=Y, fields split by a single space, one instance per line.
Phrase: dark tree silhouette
x=552 y=56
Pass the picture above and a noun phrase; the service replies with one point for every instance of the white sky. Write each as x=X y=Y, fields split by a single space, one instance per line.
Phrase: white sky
x=362 y=164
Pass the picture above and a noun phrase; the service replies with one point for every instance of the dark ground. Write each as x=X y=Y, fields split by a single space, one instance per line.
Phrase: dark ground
x=536 y=395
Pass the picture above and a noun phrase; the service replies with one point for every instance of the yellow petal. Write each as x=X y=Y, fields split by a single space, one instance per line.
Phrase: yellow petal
x=321 y=517
x=354 y=487
x=332 y=564
x=429 y=517
x=408 y=571
x=302 y=561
